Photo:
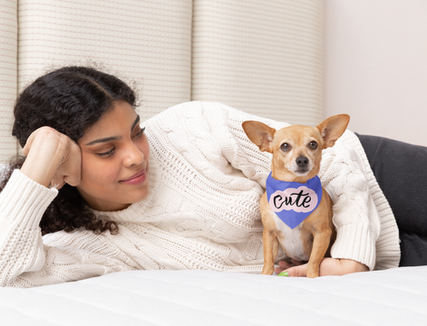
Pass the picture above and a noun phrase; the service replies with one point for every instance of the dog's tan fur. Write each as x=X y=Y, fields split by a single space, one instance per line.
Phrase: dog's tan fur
x=317 y=230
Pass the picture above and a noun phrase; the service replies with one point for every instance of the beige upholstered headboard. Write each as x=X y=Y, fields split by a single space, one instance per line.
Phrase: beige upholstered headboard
x=263 y=57
x=8 y=75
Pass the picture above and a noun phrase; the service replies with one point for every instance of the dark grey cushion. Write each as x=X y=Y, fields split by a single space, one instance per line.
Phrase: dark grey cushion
x=401 y=171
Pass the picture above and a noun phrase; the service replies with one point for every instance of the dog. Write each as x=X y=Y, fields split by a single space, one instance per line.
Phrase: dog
x=296 y=210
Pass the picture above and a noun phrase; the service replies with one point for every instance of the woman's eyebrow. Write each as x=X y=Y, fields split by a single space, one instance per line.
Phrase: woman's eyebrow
x=103 y=140
x=137 y=120
x=107 y=139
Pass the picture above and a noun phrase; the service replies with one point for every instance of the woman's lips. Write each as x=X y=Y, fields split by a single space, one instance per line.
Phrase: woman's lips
x=137 y=178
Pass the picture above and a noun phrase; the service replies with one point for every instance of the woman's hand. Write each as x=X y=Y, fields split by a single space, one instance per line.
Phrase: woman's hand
x=328 y=266
x=52 y=158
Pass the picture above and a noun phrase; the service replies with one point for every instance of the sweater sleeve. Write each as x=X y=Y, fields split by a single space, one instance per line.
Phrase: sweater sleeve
x=24 y=259
x=355 y=214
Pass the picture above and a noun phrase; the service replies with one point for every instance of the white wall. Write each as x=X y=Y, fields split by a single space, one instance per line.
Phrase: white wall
x=375 y=66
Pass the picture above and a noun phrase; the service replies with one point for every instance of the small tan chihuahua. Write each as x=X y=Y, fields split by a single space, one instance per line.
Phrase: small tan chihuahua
x=296 y=211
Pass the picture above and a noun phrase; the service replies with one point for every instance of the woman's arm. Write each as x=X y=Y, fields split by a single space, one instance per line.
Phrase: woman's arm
x=25 y=260
x=216 y=130
x=329 y=266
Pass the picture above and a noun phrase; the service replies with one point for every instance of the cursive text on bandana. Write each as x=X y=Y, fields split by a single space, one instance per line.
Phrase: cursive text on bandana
x=293 y=202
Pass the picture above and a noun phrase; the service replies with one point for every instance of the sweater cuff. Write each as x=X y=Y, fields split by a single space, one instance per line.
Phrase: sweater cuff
x=355 y=242
x=23 y=198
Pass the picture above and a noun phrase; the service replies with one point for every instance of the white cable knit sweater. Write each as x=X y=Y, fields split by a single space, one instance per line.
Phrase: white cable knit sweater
x=206 y=179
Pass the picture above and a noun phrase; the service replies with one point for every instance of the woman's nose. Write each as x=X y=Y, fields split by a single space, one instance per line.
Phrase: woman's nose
x=133 y=155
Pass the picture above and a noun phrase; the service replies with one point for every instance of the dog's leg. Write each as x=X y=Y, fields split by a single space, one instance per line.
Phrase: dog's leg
x=320 y=246
x=270 y=247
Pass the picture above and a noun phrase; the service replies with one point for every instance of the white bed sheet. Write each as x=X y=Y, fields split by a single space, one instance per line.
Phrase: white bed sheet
x=392 y=297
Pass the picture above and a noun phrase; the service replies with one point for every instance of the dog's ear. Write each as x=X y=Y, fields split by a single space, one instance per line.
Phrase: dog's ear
x=332 y=128
x=260 y=134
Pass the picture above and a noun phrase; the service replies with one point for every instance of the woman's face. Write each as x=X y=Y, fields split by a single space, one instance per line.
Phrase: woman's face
x=115 y=155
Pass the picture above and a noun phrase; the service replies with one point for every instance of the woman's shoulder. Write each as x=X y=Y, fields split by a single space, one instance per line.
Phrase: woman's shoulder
x=213 y=113
x=196 y=112
x=197 y=108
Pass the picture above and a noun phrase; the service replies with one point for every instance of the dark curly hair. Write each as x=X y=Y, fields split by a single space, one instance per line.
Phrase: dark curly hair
x=70 y=100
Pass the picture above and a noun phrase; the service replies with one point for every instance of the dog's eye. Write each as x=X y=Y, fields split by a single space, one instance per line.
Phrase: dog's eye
x=313 y=145
x=285 y=147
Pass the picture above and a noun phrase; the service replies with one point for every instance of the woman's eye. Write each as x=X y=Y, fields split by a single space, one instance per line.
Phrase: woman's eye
x=107 y=154
x=313 y=145
x=285 y=147
x=139 y=133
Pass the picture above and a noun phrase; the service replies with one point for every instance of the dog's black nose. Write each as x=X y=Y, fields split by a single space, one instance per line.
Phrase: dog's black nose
x=302 y=161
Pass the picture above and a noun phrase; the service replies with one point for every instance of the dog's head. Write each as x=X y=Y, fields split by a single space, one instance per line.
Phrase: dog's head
x=297 y=150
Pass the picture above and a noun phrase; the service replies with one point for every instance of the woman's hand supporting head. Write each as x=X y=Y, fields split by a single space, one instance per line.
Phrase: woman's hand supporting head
x=52 y=158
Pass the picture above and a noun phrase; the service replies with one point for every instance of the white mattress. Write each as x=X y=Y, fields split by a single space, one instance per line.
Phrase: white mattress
x=391 y=297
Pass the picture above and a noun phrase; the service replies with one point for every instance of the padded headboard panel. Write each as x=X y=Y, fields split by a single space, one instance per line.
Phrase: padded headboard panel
x=8 y=75
x=148 y=42
x=263 y=57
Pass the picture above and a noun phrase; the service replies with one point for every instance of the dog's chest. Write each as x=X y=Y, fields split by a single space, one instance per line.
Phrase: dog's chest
x=290 y=239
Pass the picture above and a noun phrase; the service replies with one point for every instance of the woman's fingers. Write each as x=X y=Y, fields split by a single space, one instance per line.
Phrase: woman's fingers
x=284 y=265
x=297 y=271
x=297 y=262
x=52 y=158
x=70 y=168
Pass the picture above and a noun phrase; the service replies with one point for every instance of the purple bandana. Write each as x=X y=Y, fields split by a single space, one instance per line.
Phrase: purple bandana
x=293 y=201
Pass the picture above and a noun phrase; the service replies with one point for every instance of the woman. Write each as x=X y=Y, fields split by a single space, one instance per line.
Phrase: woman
x=181 y=194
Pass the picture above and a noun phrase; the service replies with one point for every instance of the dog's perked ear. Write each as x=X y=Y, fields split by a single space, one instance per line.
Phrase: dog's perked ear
x=332 y=128
x=260 y=134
